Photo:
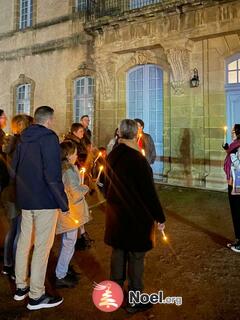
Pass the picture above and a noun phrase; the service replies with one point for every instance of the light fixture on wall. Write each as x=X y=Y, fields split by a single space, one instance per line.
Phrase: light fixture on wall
x=194 y=81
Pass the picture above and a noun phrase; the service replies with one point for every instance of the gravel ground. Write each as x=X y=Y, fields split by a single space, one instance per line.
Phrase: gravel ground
x=194 y=264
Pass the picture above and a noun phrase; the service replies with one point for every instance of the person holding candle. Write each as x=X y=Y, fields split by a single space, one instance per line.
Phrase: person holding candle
x=232 y=162
x=78 y=214
x=4 y=176
x=76 y=135
x=145 y=143
x=18 y=124
x=131 y=211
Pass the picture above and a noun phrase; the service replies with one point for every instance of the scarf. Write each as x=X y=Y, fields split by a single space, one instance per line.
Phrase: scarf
x=227 y=162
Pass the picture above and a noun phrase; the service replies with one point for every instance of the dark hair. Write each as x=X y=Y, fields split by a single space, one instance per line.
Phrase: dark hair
x=67 y=149
x=140 y=122
x=42 y=114
x=84 y=116
x=76 y=126
x=1 y=112
x=236 y=128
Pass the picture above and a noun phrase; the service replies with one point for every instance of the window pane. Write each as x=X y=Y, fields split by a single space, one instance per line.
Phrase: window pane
x=83 y=100
x=232 y=77
x=25 y=12
x=232 y=65
x=23 y=94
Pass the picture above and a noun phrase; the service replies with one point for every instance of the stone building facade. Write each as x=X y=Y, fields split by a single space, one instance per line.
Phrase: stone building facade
x=117 y=59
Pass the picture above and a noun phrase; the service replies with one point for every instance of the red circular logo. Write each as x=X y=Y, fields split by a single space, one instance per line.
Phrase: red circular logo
x=107 y=296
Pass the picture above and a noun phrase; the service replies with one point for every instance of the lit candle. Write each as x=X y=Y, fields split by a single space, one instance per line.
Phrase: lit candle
x=82 y=173
x=139 y=137
x=164 y=235
x=225 y=134
x=143 y=152
x=99 y=155
x=99 y=174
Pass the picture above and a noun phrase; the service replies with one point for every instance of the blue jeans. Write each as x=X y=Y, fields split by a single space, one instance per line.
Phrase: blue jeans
x=10 y=242
x=66 y=253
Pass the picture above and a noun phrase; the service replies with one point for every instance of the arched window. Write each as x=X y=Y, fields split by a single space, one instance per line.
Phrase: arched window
x=23 y=98
x=145 y=101
x=84 y=99
x=25 y=14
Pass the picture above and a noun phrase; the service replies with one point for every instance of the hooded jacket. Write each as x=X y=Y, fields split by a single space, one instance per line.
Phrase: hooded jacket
x=36 y=166
x=132 y=202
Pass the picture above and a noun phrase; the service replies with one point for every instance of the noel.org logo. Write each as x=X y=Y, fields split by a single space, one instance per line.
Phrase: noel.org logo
x=107 y=296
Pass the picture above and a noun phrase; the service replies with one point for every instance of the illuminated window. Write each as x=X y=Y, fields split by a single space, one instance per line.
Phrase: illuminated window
x=84 y=99
x=233 y=72
x=23 y=99
x=25 y=13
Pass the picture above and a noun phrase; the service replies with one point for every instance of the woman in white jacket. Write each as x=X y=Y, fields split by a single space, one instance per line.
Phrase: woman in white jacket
x=78 y=213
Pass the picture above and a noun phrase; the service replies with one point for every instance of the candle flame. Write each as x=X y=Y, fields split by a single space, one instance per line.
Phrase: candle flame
x=83 y=170
x=101 y=168
x=100 y=154
x=143 y=152
x=225 y=128
x=76 y=221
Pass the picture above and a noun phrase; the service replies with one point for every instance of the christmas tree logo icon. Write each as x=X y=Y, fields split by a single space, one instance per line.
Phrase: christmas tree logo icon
x=107 y=296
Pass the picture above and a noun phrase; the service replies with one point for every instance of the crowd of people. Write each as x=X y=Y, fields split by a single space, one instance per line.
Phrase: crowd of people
x=43 y=187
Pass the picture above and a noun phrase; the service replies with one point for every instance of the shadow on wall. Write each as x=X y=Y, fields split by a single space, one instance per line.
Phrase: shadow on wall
x=185 y=155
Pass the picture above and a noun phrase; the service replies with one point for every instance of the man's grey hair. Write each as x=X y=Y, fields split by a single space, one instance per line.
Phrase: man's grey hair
x=42 y=114
x=128 y=129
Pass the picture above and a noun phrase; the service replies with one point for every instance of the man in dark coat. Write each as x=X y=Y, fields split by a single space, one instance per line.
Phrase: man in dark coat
x=145 y=142
x=40 y=192
x=132 y=208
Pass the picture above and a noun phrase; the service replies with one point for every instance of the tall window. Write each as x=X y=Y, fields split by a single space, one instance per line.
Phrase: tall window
x=134 y=4
x=232 y=89
x=26 y=12
x=81 y=5
x=23 y=99
x=145 y=101
x=84 y=99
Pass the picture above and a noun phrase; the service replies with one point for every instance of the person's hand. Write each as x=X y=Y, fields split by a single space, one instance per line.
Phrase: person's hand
x=65 y=213
x=161 y=226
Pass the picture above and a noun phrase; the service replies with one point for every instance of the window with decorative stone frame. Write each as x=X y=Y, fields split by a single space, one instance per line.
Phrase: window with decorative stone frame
x=25 y=13
x=22 y=93
x=81 y=96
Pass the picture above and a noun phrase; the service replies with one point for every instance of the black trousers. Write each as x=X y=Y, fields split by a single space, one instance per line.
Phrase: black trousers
x=234 y=201
x=130 y=263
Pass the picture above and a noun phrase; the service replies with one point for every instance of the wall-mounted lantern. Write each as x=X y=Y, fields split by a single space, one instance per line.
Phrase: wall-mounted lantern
x=194 y=81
